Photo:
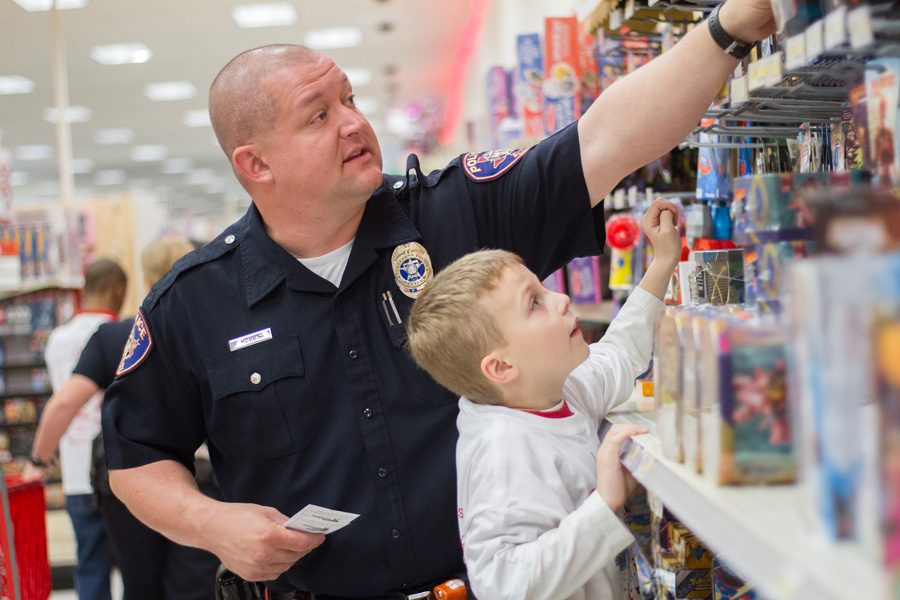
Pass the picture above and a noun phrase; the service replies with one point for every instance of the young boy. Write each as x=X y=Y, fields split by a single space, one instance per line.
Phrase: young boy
x=538 y=492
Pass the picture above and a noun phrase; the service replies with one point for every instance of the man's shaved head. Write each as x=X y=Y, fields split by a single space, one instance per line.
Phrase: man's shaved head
x=238 y=105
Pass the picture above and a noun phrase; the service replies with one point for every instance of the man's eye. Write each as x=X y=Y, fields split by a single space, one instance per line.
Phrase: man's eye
x=320 y=116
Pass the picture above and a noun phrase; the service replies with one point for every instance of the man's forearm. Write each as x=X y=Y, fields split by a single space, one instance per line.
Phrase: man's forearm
x=164 y=496
x=648 y=112
x=59 y=412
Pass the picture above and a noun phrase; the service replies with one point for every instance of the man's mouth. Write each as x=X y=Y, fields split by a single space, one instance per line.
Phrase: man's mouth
x=356 y=154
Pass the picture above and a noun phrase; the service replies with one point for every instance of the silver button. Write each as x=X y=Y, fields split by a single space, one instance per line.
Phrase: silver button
x=382 y=472
x=255 y=378
x=398 y=185
x=229 y=239
x=395 y=533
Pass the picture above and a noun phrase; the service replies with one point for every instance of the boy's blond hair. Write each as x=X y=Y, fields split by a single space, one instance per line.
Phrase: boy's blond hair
x=159 y=256
x=450 y=330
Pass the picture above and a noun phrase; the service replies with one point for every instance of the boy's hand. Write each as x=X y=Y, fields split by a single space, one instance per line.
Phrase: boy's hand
x=659 y=225
x=614 y=482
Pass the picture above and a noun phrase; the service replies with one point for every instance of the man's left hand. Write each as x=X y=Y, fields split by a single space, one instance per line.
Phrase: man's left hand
x=747 y=20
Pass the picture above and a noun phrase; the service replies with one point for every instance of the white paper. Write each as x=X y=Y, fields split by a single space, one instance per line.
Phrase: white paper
x=316 y=519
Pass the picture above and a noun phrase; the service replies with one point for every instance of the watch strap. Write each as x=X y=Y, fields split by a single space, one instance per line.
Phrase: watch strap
x=725 y=40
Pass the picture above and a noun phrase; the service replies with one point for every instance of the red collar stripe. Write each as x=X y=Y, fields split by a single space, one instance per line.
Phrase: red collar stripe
x=560 y=413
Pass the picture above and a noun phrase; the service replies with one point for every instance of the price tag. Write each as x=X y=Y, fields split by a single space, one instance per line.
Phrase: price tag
x=836 y=28
x=795 y=52
x=814 y=41
x=766 y=72
x=859 y=22
x=615 y=19
x=739 y=91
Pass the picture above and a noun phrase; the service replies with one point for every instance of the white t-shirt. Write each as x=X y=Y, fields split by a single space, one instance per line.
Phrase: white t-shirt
x=531 y=526
x=330 y=266
x=61 y=354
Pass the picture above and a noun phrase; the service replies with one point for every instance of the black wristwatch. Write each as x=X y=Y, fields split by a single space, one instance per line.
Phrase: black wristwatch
x=37 y=462
x=731 y=46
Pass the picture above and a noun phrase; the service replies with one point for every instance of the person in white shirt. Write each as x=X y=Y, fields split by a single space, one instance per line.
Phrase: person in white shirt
x=537 y=491
x=105 y=284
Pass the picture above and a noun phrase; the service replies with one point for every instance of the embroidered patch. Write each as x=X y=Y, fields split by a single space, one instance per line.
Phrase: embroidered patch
x=485 y=166
x=137 y=348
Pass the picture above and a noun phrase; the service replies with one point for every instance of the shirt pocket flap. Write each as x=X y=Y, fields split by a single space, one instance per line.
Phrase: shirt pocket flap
x=256 y=367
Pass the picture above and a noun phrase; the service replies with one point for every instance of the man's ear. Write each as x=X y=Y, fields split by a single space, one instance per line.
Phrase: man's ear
x=497 y=370
x=250 y=165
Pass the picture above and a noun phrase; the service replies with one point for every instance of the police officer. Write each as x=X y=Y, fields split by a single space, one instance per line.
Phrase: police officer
x=281 y=343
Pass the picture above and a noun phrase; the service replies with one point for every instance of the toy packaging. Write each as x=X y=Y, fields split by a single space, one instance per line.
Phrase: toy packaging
x=764 y=269
x=528 y=84
x=882 y=92
x=556 y=282
x=562 y=74
x=719 y=278
x=886 y=367
x=584 y=280
x=756 y=444
x=690 y=417
x=727 y=585
x=667 y=359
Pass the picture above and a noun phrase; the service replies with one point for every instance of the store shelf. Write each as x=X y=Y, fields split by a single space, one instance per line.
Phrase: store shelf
x=598 y=314
x=42 y=284
x=23 y=364
x=763 y=532
x=25 y=393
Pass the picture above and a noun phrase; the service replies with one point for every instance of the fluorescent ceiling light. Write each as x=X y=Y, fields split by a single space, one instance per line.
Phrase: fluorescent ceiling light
x=74 y=114
x=170 y=90
x=118 y=135
x=80 y=166
x=18 y=178
x=200 y=177
x=43 y=5
x=15 y=84
x=109 y=177
x=121 y=54
x=197 y=118
x=148 y=153
x=176 y=166
x=276 y=14
x=334 y=37
x=34 y=152
x=367 y=105
x=359 y=76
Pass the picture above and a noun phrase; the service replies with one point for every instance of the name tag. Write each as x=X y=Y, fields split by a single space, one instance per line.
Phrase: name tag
x=251 y=338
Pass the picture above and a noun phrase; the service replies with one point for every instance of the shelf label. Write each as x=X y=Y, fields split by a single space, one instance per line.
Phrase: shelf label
x=835 y=28
x=814 y=41
x=859 y=22
x=795 y=52
x=739 y=92
x=766 y=72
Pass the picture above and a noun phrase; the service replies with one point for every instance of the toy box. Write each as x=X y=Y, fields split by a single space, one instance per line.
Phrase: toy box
x=727 y=585
x=667 y=360
x=584 y=280
x=719 y=277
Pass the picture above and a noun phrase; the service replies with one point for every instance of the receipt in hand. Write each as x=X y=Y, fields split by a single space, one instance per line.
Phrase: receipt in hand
x=316 y=519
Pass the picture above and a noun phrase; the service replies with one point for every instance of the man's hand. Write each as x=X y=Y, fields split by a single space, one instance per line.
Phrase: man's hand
x=33 y=473
x=252 y=542
x=747 y=20
x=658 y=224
x=614 y=483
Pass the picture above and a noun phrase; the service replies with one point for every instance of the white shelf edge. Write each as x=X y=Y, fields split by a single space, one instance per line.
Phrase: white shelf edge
x=762 y=532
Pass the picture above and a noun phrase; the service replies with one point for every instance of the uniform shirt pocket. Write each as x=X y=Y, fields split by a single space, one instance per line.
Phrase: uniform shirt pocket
x=262 y=404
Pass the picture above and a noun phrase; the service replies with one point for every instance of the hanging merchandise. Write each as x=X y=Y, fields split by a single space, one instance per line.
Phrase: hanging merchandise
x=562 y=77
x=622 y=235
x=584 y=280
x=882 y=92
x=499 y=109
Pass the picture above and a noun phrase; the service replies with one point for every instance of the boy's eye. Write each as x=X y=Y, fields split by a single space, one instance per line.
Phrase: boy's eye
x=351 y=100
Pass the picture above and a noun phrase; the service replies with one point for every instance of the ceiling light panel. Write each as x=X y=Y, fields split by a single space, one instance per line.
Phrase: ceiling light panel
x=74 y=114
x=148 y=153
x=165 y=91
x=116 y=135
x=44 y=5
x=278 y=14
x=334 y=37
x=197 y=118
x=33 y=152
x=109 y=177
x=15 y=84
x=121 y=54
x=80 y=166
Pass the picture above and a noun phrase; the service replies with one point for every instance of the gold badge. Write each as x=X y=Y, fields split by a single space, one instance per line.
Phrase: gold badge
x=412 y=268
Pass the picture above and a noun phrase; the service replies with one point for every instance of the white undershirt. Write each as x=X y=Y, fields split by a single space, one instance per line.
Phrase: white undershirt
x=330 y=266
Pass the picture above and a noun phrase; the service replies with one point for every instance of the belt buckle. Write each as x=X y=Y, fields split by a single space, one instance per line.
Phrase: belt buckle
x=426 y=595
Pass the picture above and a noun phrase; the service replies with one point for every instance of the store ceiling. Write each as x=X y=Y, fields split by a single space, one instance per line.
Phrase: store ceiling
x=408 y=45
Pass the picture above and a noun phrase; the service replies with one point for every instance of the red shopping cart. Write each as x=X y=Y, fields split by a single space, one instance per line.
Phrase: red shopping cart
x=24 y=565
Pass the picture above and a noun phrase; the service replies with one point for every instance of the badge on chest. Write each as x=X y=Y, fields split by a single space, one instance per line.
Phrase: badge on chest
x=412 y=269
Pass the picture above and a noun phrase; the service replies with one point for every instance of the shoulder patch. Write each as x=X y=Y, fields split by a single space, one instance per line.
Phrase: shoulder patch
x=137 y=348
x=487 y=166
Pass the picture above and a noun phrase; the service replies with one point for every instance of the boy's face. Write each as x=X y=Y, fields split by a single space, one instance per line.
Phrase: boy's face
x=542 y=335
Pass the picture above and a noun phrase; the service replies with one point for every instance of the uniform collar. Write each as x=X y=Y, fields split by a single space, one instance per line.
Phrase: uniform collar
x=266 y=264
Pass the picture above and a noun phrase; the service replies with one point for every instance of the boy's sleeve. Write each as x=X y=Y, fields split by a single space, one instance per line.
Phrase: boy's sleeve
x=606 y=379
x=514 y=549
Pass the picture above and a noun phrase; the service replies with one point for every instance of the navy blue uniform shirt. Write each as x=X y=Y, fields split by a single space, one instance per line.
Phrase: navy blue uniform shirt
x=101 y=355
x=332 y=410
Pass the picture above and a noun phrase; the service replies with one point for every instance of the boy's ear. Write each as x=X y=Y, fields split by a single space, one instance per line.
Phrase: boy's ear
x=497 y=370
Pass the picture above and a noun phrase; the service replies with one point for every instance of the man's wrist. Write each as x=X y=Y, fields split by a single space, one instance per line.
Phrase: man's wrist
x=731 y=25
x=39 y=462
